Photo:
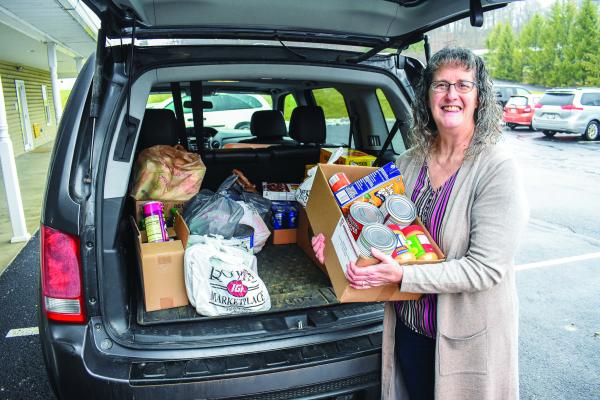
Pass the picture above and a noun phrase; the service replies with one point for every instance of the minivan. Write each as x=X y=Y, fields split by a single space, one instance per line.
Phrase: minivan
x=327 y=69
x=573 y=111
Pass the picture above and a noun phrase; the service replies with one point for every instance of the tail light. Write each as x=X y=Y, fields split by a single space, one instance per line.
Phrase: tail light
x=538 y=105
x=527 y=109
x=570 y=107
x=62 y=294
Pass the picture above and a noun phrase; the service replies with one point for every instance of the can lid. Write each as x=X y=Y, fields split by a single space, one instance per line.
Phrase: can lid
x=366 y=213
x=400 y=208
x=412 y=229
x=379 y=236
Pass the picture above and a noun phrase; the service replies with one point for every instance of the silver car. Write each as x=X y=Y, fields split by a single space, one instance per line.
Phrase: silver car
x=569 y=111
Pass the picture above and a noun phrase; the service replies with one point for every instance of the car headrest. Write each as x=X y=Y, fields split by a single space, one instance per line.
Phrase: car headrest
x=158 y=127
x=307 y=124
x=267 y=123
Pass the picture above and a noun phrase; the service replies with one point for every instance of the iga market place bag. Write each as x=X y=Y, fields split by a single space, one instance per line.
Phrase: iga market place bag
x=167 y=173
x=221 y=279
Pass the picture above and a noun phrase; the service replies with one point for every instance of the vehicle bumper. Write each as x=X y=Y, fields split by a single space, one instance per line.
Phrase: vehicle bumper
x=564 y=125
x=77 y=364
x=519 y=119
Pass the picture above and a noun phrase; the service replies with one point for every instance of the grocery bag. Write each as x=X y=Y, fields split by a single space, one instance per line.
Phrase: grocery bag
x=304 y=190
x=221 y=279
x=167 y=173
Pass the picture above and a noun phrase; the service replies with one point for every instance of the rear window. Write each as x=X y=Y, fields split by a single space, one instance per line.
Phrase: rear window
x=336 y=114
x=557 y=99
x=517 y=101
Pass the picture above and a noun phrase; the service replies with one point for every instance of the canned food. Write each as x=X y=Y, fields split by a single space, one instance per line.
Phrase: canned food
x=398 y=210
x=292 y=218
x=245 y=234
x=361 y=214
x=278 y=219
x=338 y=181
x=154 y=221
x=378 y=236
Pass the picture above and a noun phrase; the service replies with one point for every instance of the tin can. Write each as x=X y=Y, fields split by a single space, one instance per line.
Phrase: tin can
x=361 y=214
x=291 y=218
x=338 y=181
x=245 y=234
x=398 y=210
x=156 y=230
x=278 y=214
x=378 y=236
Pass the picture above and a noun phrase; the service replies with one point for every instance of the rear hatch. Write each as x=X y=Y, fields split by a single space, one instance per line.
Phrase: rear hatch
x=376 y=24
x=556 y=106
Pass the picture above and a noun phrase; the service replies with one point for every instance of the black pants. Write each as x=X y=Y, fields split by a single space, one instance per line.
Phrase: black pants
x=415 y=355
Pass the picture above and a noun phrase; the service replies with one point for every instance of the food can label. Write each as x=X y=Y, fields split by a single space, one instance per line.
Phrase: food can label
x=154 y=229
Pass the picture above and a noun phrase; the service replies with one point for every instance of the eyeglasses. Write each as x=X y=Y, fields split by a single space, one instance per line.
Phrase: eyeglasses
x=460 y=86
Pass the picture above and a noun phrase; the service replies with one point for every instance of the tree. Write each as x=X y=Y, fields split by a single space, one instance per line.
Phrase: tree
x=585 y=46
x=531 y=47
x=556 y=39
x=507 y=57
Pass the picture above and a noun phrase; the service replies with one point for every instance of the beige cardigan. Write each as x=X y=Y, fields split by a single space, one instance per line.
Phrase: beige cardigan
x=477 y=308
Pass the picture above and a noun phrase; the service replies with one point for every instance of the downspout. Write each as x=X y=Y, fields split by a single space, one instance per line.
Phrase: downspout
x=11 y=181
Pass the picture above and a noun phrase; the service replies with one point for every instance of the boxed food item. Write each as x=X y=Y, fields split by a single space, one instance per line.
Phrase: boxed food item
x=304 y=238
x=326 y=217
x=161 y=267
x=280 y=191
x=285 y=221
x=373 y=187
x=348 y=157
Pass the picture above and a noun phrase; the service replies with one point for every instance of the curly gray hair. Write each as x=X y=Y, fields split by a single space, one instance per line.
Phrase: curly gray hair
x=487 y=115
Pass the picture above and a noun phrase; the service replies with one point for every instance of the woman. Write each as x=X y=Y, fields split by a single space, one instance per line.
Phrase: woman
x=459 y=340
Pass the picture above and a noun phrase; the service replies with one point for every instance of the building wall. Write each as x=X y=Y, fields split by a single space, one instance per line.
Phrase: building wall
x=34 y=79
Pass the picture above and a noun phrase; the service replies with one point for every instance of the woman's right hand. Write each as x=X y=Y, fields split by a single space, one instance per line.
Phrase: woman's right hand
x=318 y=245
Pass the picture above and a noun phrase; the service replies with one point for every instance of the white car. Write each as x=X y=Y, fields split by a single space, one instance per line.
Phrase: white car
x=229 y=110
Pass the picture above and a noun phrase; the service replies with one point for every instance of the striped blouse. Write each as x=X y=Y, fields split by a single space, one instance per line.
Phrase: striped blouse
x=420 y=315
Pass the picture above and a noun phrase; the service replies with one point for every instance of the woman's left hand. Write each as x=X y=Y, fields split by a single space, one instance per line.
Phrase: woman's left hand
x=386 y=272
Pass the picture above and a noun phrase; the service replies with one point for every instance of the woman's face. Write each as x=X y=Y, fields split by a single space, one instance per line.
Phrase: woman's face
x=453 y=111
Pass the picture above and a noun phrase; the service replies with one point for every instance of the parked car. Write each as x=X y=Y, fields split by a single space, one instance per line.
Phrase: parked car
x=224 y=110
x=98 y=339
x=504 y=92
x=574 y=111
x=519 y=110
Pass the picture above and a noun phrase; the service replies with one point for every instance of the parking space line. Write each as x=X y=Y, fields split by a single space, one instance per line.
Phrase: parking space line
x=557 y=261
x=23 y=332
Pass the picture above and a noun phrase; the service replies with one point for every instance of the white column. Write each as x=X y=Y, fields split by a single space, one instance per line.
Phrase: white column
x=11 y=181
x=54 y=77
x=78 y=64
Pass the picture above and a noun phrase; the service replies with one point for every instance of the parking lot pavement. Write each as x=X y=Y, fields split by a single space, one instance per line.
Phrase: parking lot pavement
x=32 y=169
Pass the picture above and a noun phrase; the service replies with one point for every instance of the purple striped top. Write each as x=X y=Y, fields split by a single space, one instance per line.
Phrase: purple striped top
x=420 y=315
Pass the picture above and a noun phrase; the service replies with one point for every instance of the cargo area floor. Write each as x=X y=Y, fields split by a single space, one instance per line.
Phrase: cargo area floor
x=292 y=279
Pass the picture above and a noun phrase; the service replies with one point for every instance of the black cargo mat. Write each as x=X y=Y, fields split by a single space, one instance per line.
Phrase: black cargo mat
x=292 y=279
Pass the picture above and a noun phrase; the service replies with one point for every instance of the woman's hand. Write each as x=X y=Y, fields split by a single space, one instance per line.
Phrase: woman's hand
x=386 y=272
x=318 y=245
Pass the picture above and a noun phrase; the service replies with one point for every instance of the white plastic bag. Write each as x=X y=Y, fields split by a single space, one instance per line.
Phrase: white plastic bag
x=222 y=280
x=252 y=218
x=304 y=190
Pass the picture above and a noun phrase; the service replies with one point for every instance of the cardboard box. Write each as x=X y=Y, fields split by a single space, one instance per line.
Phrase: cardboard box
x=304 y=238
x=326 y=217
x=374 y=187
x=280 y=191
x=348 y=157
x=161 y=267
x=167 y=205
x=284 y=236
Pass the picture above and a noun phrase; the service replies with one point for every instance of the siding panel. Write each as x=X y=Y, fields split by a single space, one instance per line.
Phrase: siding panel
x=34 y=79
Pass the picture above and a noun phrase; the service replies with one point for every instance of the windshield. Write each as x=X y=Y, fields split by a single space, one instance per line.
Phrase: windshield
x=517 y=101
